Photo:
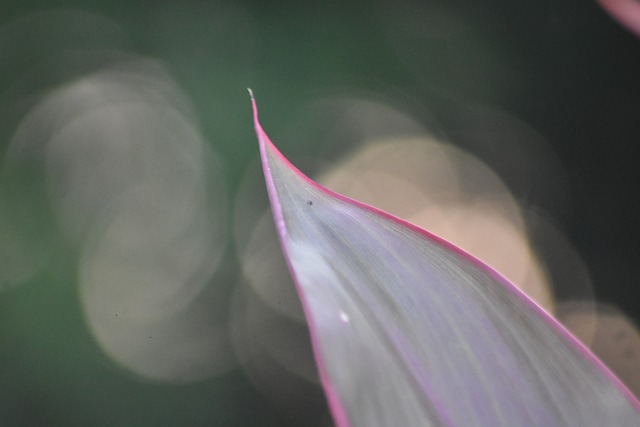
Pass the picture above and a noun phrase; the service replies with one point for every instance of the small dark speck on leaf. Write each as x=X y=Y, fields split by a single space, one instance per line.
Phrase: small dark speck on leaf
x=619 y=335
x=309 y=202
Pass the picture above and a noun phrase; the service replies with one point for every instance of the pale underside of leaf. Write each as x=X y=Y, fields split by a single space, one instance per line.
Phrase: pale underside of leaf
x=408 y=330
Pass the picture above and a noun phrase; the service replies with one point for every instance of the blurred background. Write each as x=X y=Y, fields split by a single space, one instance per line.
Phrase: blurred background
x=141 y=281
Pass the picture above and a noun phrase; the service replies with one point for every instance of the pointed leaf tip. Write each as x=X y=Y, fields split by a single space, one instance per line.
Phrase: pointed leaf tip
x=408 y=330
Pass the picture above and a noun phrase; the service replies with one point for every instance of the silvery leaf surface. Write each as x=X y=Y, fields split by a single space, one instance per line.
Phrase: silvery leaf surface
x=409 y=330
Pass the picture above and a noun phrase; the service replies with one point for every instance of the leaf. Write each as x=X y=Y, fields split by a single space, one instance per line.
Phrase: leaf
x=408 y=330
x=626 y=12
